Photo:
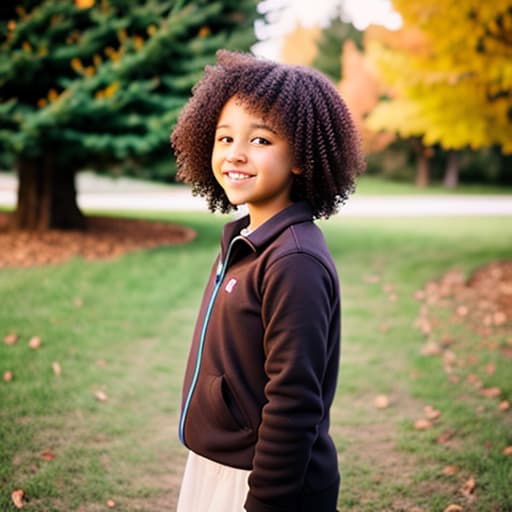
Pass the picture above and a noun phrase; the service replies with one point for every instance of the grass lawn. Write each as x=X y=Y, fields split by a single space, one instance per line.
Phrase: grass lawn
x=375 y=185
x=120 y=331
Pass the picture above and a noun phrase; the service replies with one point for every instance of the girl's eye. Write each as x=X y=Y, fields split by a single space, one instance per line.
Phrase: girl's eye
x=225 y=139
x=261 y=140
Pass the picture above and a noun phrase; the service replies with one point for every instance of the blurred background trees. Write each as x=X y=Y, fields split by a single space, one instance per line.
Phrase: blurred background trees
x=100 y=84
x=433 y=98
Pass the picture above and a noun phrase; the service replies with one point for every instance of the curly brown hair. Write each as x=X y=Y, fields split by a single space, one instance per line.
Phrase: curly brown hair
x=302 y=103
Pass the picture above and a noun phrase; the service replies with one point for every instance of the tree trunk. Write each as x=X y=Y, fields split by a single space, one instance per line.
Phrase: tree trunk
x=422 y=172
x=46 y=196
x=451 y=175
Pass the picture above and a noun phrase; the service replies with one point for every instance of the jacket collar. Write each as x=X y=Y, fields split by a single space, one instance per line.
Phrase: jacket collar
x=293 y=214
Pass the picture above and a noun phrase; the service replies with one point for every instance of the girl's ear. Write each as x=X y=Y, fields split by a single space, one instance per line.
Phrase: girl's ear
x=296 y=171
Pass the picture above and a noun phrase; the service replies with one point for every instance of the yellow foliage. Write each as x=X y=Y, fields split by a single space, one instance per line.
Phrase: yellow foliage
x=20 y=11
x=84 y=4
x=454 y=85
x=42 y=102
x=76 y=64
x=26 y=46
x=122 y=35
x=204 y=31
x=138 y=42
x=151 y=30
x=108 y=92
x=97 y=60
x=52 y=95
x=11 y=25
x=89 y=71
x=300 y=46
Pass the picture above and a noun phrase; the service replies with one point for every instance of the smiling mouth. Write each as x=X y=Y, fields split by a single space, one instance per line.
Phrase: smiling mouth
x=238 y=176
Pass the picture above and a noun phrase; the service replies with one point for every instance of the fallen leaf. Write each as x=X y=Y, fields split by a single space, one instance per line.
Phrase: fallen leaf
x=431 y=413
x=462 y=311
x=111 y=503
x=381 y=402
x=450 y=470
x=47 y=455
x=499 y=318
x=449 y=357
x=56 y=368
x=384 y=327
x=507 y=451
x=35 y=342
x=8 y=376
x=422 y=424
x=492 y=392
x=393 y=297
x=17 y=497
x=490 y=369
x=468 y=487
x=419 y=295
x=445 y=436
x=101 y=363
x=11 y=338
x=371 y=278
x=78 y=302
x=453 y=508
x=101 y=396
x=504 y=406
x=431 y=348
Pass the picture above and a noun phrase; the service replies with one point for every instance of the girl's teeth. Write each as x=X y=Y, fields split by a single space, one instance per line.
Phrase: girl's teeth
x=238 y=176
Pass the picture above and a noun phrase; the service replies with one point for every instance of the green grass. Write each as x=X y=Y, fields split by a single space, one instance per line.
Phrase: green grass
x=375 y=185
x=130 y=337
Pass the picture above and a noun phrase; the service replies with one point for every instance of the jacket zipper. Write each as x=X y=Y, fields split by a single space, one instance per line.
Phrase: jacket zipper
x=219 y=276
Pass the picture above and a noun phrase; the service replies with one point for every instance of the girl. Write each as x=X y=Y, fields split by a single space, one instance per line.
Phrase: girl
x=263 y=364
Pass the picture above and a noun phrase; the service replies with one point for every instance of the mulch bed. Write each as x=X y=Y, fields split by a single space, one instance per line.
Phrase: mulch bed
x=105 y=238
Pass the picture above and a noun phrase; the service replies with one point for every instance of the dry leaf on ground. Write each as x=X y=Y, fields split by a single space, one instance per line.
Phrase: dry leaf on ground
x=504 y=406
x=453 y=508
x=431 y=413
x=381 y=402
x=11 y=338
x=57 y=370
x=101 y=396
x=507 y=451
x=35 y=342
x=492 y=392
x=8 y=376
x=431 y=348
x=450 y=470
x=422 y=424
x=17 y=497
x=469 y=486
x=111 y=503
x=47 y=455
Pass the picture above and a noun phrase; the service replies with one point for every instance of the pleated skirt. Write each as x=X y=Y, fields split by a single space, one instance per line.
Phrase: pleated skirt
x=208 y=486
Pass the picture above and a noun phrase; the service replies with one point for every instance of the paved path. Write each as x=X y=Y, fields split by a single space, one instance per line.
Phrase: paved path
x=102 y=193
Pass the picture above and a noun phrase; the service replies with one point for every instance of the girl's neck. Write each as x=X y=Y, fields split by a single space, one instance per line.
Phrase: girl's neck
x=258 y=217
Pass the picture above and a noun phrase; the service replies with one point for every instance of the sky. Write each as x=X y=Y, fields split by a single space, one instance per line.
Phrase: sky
x=283 y=15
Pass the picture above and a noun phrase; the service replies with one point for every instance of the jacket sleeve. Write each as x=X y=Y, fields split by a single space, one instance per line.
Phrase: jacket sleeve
x=297 y=308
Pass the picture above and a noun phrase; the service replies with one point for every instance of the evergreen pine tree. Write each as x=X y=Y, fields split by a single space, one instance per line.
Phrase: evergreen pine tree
x=330 y=47
x=99 y=82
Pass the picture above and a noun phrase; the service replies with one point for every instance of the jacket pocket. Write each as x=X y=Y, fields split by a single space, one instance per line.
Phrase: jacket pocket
x=228 y=410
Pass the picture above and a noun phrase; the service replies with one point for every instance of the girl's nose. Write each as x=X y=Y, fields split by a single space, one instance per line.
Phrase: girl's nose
x=236 y=154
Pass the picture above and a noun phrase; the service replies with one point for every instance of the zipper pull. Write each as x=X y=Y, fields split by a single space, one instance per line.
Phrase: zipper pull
x=218 y=272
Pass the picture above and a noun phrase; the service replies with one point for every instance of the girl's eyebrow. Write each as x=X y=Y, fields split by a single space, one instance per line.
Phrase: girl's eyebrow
x=254 y=126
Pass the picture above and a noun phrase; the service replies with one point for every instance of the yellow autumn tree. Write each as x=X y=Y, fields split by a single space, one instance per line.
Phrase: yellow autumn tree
x=300 y=45
x=450 y=73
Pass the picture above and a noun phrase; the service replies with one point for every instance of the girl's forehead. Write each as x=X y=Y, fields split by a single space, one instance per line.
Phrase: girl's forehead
x=252 y=108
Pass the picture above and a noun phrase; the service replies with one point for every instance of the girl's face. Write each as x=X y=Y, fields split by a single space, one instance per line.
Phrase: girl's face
x=252 y=162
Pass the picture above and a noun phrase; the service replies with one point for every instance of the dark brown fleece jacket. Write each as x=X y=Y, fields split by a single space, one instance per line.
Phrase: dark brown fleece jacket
x=263 y=364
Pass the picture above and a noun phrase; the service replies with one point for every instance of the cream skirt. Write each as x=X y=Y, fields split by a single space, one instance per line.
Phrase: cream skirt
x=208 y=486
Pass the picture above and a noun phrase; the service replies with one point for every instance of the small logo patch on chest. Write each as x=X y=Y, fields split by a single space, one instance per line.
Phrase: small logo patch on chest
x=231 y=285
